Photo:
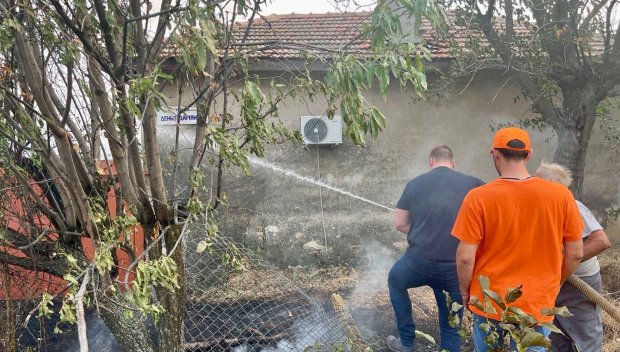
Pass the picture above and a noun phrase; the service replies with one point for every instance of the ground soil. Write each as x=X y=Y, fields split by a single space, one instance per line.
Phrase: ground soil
x=370 y=306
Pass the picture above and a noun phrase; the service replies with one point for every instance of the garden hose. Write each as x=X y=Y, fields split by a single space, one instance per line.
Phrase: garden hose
x=595 y=297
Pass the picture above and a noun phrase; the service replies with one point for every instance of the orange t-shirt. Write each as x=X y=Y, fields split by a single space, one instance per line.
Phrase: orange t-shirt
x=519 y=227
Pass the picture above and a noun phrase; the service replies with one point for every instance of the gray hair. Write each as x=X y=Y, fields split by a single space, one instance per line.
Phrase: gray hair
x=554 y=172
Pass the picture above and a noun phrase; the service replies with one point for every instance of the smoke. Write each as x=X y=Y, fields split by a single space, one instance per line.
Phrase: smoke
x=371 y=292
x=378 y=260
x=325 y=330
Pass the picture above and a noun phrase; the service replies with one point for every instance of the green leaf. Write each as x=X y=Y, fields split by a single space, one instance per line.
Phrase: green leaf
x=202 y=245
x=517 y=311
x=518 y=316
x=475 y=301
x=241 y=7
x=534 y=338
x=484 y=281
x=513 y=293
x=561 y=311
x=425 y=336
x=495 y=297
x=254 y=91
x=488 y=307
x=418 y=62
x=552 y=327
x=456 y=307
x=201 y=54
x=507 y=327
x=485 y=327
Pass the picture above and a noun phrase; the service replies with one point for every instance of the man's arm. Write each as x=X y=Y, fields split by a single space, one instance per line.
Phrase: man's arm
x=402 y=221
x=573 y=252
x=465 y=260
x=595 y=244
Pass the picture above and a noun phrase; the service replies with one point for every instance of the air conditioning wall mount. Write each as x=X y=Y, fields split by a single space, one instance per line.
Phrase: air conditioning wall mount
x=321 y=129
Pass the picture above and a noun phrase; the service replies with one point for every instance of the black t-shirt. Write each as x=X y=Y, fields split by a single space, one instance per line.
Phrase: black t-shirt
x=433 y=200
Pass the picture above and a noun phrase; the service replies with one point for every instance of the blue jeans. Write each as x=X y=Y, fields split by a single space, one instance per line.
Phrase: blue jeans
x=479 y=336
x=441 y=276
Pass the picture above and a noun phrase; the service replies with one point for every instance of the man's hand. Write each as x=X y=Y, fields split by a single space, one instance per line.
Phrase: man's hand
x=465 y=260
x=465 y=297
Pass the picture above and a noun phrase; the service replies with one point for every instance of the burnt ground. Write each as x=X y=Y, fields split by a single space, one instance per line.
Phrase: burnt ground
x=367 y=299
x=376 y=321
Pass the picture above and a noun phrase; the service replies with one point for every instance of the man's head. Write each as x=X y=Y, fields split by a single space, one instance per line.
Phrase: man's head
x=554 y=172
x=511 y=145
x=512 y=142
x=441 y=156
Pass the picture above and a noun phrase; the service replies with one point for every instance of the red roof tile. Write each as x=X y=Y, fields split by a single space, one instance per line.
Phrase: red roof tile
x=290 y=36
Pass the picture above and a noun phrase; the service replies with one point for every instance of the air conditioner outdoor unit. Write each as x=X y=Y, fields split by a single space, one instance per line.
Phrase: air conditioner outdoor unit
x=321 y=129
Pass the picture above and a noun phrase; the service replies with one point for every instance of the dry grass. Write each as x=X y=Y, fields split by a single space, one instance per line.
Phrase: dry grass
x=368 y=292
x=362 y=294
x=611 y=329
x=610 y=274
x=324 y=280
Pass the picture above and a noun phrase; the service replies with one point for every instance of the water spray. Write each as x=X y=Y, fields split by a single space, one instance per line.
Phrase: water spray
x=293 y=174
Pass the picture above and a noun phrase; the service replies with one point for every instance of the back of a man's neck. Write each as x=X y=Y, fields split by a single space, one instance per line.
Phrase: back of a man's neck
x=515 y=175
x=441 y=165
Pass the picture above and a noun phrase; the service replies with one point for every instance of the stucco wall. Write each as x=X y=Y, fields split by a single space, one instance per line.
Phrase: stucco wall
x=279 y=214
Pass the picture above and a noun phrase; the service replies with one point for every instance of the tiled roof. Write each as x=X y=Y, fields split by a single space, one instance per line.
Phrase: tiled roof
x=289 y=36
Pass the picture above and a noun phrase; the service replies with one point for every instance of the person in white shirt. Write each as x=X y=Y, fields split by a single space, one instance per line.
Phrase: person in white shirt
x=583 y=331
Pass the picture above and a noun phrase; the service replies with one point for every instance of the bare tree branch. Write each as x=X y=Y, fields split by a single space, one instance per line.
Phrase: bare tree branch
x=585 y=24
x=155 y=47
x=103 y=63
x=37 y=198
x=118 y=154
x=107 y=32
x=510 y=31
x=53 y=266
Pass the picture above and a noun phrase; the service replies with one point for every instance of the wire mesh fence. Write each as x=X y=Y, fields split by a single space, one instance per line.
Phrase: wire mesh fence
x=237 y=301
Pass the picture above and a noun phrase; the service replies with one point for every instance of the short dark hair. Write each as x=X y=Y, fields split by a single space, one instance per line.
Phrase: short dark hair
x=513 y=154
x=442 y=152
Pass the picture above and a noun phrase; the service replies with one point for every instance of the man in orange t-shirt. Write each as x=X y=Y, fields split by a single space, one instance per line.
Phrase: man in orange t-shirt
x=516 y=230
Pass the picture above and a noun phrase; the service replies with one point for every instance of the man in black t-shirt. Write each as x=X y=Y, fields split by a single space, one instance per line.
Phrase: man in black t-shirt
x=426 y=212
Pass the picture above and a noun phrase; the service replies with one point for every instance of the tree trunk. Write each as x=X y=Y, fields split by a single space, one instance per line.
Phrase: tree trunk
x=574 y=132
x=570 y=155
x=170 y=324
x=130 y=332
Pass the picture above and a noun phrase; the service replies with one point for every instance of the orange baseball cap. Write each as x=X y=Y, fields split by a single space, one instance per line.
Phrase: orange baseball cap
x=511 y=138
